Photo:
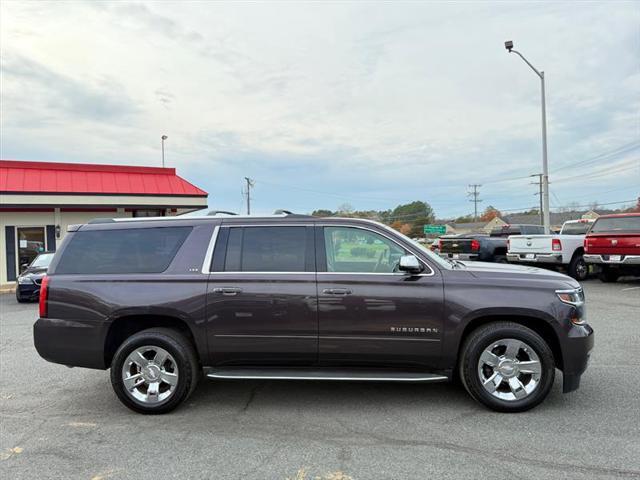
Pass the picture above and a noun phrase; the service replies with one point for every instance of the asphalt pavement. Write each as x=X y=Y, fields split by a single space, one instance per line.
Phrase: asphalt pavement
x=61 y=423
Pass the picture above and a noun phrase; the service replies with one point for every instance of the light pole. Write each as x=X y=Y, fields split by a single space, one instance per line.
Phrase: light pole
x=163 y=138
x=545 y=168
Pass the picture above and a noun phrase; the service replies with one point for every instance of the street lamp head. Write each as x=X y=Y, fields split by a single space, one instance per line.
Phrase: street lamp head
x=164 y=137
x=508 y=45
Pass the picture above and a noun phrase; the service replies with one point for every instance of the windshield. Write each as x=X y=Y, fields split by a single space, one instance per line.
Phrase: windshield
x=42 y=261
x=432 y=256
x=575 y=228
x=617 y=224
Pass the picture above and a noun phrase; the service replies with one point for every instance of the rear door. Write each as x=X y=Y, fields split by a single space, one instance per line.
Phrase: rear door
x=261 y=296
x=370 y=314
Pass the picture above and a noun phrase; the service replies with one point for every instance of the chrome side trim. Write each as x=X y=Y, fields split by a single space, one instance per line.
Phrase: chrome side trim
x=206 y=265
x=371 y=378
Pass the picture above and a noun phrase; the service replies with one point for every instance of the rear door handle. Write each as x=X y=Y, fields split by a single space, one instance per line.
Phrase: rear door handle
x=336 y=291
x=227 y=291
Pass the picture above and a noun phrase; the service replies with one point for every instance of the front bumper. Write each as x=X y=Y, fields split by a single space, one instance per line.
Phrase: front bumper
x=576 y=350
x=460 y=256
x=28 y=291
x=554 y=258
x=606 y=259
x=72 y=343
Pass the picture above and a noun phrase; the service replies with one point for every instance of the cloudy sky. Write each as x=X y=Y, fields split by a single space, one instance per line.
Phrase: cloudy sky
x=371 y=104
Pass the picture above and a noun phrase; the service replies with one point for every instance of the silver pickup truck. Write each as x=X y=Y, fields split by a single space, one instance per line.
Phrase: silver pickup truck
x=563 y=250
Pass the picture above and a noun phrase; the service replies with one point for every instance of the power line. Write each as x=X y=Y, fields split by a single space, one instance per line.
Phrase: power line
x=616 y=151
x=474 y=198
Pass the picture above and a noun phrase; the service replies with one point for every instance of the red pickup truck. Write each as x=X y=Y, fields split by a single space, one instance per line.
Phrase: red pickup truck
x=613 y=243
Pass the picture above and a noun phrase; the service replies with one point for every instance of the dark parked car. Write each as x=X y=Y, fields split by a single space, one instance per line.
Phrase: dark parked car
x=159 y=300
x=484 y=248
x=28 y=284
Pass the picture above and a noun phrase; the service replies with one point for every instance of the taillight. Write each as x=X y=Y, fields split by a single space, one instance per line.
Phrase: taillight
x=586 y=244
x=44 y=294
x=556 y=246
x=508 y=244
x=475 y=245
x=439 y=244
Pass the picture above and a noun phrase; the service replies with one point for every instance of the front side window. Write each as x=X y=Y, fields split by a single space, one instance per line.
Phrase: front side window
x=354 y=250
x=266 y=249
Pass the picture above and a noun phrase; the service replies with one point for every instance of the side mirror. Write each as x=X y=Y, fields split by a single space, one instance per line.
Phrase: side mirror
x=410 y=264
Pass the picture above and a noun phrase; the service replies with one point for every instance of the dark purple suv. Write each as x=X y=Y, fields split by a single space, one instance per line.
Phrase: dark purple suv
x=161 y=300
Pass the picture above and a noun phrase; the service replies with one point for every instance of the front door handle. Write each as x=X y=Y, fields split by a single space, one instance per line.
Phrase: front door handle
x=336 y=291
x=227 y=291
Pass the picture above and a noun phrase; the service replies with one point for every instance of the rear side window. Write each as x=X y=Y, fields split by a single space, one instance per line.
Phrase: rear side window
x=137 y=250
x=268 y=249
x=629 y=224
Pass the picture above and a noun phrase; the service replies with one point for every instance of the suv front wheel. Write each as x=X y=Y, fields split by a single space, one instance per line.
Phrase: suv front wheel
x=154 y=370
x=507 y=367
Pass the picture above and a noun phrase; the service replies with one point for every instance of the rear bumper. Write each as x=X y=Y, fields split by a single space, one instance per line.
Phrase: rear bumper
x=576 y=350
x=606 y=259
x=460 y=256
x=71 y=343
x=555 y=258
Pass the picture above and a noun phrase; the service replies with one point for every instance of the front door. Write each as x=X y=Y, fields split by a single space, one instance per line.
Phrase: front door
x=261 y=296
x=31 y=243
x=371 y=314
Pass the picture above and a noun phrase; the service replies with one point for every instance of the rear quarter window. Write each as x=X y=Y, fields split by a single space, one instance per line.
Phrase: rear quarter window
x=137 y=250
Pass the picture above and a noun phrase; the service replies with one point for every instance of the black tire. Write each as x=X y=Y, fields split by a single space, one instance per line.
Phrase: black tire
x=478 y=340
x=500 y=259
x=609 y=275
x=20 y=299
x=578 y=268
x=180 y=348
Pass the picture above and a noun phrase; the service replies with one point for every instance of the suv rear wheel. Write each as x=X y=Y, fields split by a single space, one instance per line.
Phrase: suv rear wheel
x=154 y=370
x=507 y=367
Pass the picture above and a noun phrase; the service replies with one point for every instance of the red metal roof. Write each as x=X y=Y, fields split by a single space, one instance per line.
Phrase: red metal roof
x=82 y=178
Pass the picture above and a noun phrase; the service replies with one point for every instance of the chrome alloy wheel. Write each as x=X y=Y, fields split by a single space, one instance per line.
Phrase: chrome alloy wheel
x=150 y=374
x=509 y=369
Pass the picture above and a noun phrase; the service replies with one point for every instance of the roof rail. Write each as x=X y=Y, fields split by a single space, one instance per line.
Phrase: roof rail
x=283 y=212
x=100 y=220
x=213 y=213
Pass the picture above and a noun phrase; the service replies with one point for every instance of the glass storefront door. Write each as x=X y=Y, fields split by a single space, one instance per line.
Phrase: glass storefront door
x=31 y=242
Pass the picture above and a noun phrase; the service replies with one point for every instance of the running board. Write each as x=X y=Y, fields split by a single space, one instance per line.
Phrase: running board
x=323 y=374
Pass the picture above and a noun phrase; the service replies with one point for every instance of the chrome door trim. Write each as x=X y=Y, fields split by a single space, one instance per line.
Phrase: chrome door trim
x=206 y=265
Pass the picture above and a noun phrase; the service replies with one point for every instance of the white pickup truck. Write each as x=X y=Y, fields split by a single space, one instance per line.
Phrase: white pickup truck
x=564 y=250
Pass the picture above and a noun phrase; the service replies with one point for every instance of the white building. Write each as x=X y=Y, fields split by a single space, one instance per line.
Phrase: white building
x=38 y=200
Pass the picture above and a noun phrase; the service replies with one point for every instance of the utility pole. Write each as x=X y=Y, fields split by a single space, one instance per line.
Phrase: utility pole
x=539 y=183
x=474 y=198
x=250 y=184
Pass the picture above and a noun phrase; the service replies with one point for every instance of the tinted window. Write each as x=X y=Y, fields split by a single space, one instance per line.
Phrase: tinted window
x=617 y=224
x=360 y=251
x=578 y=228
x=267 y=249
x=138 y=250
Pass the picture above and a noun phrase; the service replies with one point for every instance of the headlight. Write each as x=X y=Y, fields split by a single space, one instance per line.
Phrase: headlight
x=572 y=297
x=24 y=280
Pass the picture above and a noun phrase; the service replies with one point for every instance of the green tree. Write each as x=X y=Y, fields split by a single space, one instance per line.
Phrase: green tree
x=417 y=214
x=322 y=213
